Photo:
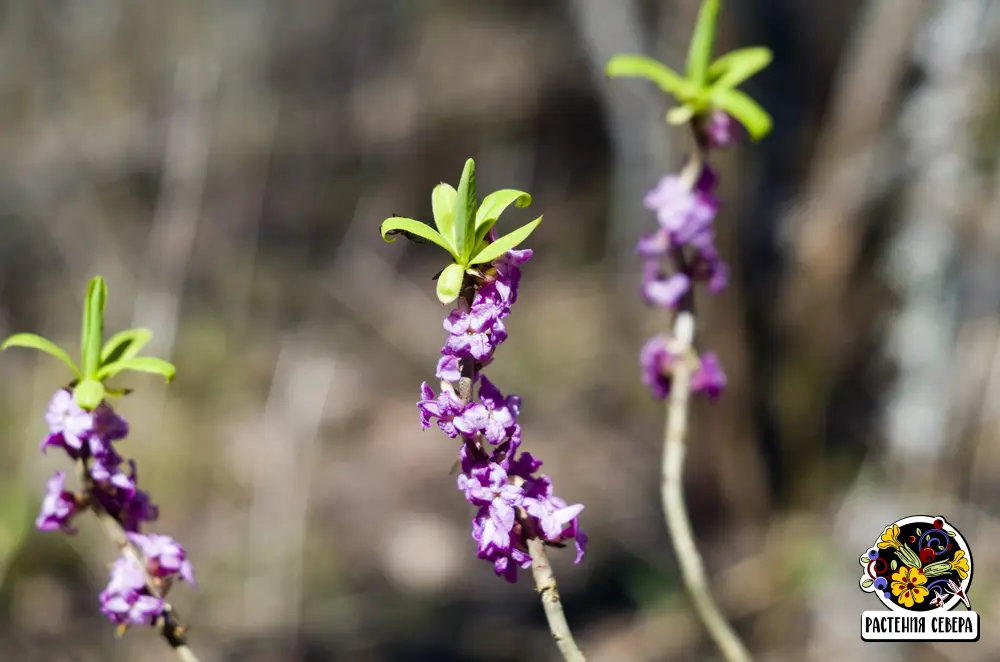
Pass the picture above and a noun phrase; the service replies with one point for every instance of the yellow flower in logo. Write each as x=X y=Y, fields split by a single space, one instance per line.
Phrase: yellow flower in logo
x=890 y=538
x=908 y=586
x=960 y=564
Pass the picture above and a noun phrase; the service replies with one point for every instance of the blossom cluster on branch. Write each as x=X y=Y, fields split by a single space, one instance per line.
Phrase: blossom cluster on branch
x=87 y=437
x=680 y=253
x=513 y=502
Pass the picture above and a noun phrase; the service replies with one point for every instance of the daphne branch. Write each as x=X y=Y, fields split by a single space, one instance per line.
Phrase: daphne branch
x=167 y=624
x=678 y=521
x=545 y=582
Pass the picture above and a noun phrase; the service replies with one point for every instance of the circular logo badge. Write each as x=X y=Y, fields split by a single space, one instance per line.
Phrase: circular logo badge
x=918 y=564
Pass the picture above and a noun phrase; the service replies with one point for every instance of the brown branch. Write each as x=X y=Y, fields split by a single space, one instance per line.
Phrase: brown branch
x=678 y=522
x=545 y=583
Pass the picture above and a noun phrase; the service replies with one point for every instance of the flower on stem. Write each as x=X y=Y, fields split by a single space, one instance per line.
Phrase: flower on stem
x=657 y=361
x=685 y=214
x=126 y=599
x=58 y=507
x=512 y=503
x=721 y=130
x=444 y=407
x=494 y=416
x=87 y=438
x=164 y=556
x=69 y=425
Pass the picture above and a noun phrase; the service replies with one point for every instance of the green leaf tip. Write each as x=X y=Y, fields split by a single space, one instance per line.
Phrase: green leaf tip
x=505 y=243
x=443 y=207
x=465 y=212
x=92 y=327
x=449 y=284
x=88 y=393
x=736 y=66
x=33 y=341
x=146 y=364
x=745 y=110
x=413 y=230
x=640 y=66
x=125 y=344
x=702 y=42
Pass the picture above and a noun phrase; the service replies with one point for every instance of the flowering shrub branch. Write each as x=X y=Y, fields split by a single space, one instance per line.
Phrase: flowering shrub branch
x=517 y=515
x=84 y=426
x=680 y=254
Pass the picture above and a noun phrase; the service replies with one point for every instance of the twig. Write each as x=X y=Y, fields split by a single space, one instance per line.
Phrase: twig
x=678 y=522
x=170 y=628
x=545 y=582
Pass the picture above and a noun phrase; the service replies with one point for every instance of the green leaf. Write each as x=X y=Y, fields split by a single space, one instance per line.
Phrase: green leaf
x=702 y=43
x=495 y=203
x=481 y=233
x=746 y=111
x=952 y=534
x=125 y=345
x=450 y=283
x=505 y=243
x=893 y=565
x=139 y=364
x=89 y=393
x=465 y=212
x=443 y=203
x=33 y=341
x=640 y=66
x=410 y=228
x=680 y=115
x=734 y=67
x=918 y=532
x=92 y=333
x=867 y=583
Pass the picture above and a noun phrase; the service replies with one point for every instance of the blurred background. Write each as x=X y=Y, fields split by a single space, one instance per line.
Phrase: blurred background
x=226 y=165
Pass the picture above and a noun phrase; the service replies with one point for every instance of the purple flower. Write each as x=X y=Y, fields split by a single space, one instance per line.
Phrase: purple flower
x=164 y=555
x=655 y=244
x=125 y=599
x=108 y=425
x=58 y=507
x=552 y=514
x=493 y=416
x=709 y=377
x=580 y=540
x=507 y=566
x=722 y=130
x=508 y=275
x=68 y=424
x=656 y=361
x=683 y=213
x=445 y=407
x=469 y=333
x=488 y=488
x=106 y=469
x=449 y=369
x=130 y=507
x=525 y=466
x=707 y=265
x=137 y=509
x=663 y=291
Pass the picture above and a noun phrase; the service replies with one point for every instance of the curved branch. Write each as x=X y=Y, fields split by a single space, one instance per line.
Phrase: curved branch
x=675 y=510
